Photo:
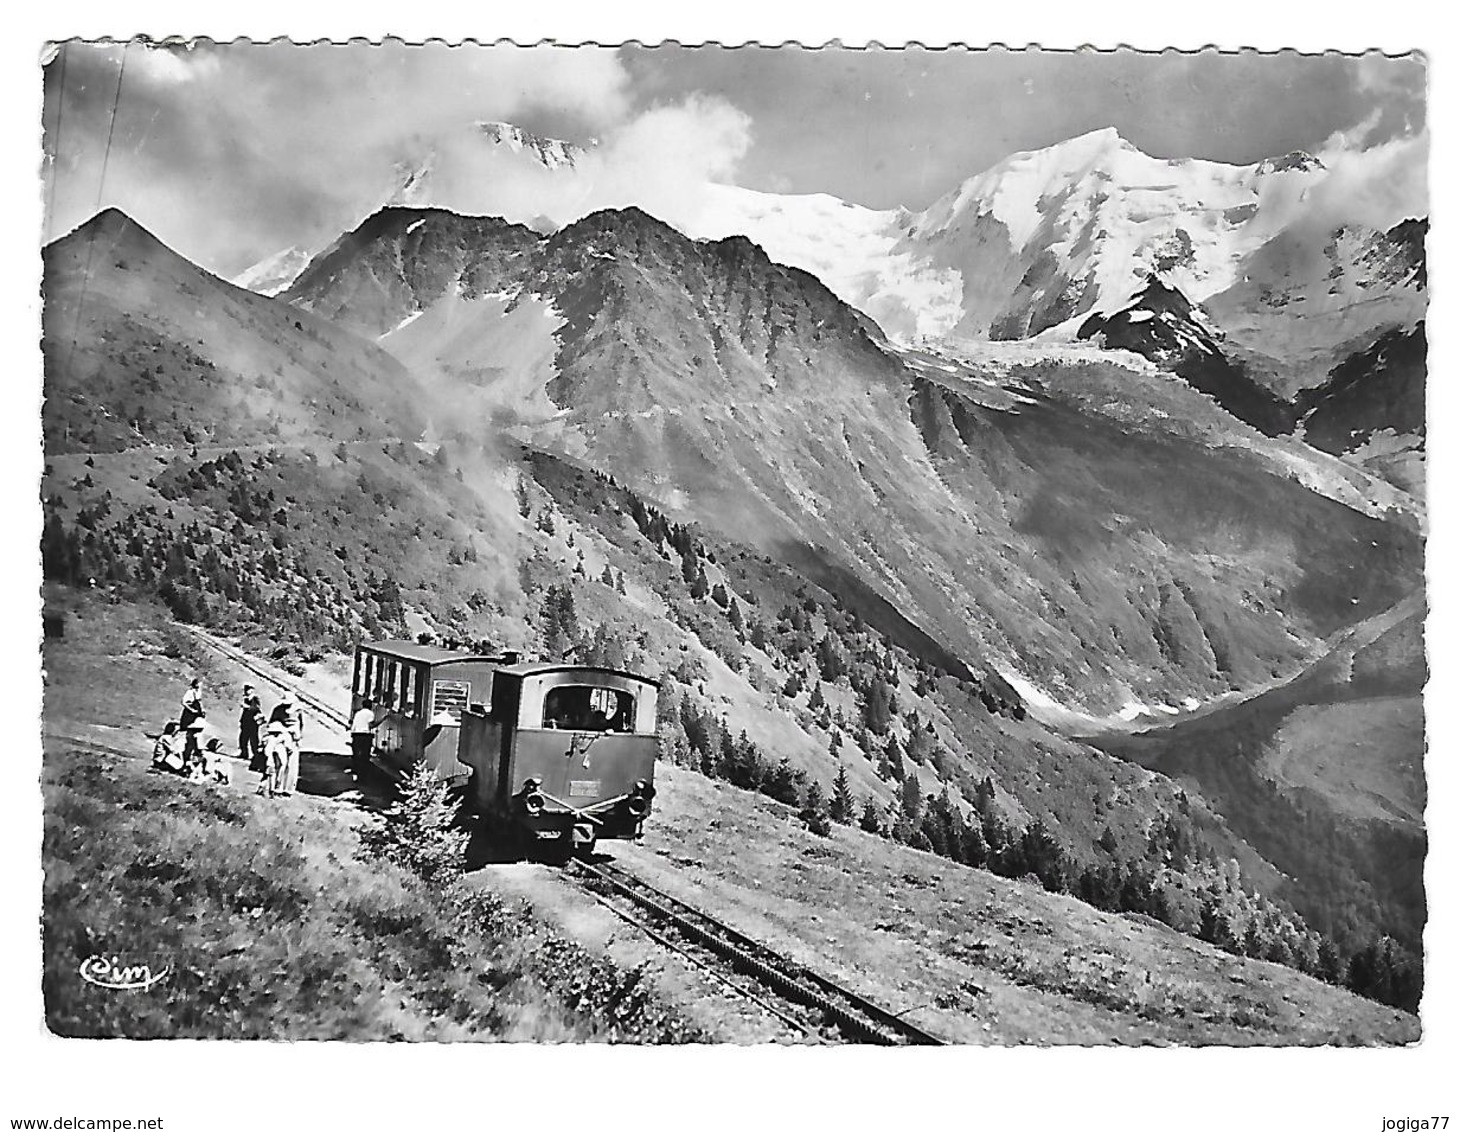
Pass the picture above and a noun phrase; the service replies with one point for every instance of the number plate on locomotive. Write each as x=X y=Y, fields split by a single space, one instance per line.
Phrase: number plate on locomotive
x=584 y=787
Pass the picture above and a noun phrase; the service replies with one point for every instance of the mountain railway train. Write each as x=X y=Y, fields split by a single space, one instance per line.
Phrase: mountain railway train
x=553 y=757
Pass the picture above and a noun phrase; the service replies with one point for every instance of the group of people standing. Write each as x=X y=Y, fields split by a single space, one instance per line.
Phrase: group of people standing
x=270 y=742
x=271 y=746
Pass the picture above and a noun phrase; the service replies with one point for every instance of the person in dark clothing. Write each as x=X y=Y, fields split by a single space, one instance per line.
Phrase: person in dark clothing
x=250 y=719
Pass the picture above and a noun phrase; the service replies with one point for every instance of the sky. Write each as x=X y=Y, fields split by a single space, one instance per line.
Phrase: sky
x=230 y=152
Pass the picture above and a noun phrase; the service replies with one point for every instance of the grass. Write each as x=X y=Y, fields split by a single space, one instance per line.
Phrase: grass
x=273 y=927
x=1101 y=979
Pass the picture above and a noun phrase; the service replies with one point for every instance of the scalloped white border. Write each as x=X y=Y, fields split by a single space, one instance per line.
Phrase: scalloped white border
x=226 y=1087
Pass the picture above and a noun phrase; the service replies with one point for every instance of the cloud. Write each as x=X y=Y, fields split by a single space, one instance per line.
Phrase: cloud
x=268 y=144
x=663 y=159
x=660 y=159
x=1376 y=187
x=1355 y=136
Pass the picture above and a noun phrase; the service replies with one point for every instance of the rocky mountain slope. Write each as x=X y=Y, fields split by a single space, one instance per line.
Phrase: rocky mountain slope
x=745 y=395
x=1304 y=304
x=1372 y=408
x=1161 y=325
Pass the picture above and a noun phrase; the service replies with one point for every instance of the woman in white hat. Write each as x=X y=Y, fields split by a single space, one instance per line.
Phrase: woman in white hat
x=277 y=757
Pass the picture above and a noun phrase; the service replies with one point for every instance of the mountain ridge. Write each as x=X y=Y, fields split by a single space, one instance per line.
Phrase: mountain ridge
x=723 y=384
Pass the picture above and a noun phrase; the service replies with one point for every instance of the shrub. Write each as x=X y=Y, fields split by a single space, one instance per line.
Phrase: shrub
x=419 y=831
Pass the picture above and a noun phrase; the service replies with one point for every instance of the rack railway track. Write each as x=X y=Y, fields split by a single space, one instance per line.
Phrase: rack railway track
x=244 y=660
x=854 y=1017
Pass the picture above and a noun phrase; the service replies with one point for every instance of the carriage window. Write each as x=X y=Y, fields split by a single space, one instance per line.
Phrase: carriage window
x=367 y=673
x=448 y=698
x=409 y=690
x=577 y=707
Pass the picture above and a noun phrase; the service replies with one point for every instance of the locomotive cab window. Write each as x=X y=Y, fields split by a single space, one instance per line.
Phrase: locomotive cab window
x=578 y=707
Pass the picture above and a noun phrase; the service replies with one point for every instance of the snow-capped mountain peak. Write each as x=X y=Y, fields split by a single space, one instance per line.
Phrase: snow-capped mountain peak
x=274 y=273
x=1298 y=160
x=551 y=152
x=1082 y=223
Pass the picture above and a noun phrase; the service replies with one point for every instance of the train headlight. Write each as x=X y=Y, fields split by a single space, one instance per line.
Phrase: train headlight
x=532 y=798
x=637 y=802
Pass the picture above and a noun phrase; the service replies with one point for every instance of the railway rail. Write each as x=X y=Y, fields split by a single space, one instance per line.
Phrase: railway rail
x=244 y=660
x=855 y=1017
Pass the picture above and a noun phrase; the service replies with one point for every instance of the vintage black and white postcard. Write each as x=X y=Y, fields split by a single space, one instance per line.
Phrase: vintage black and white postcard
x=653 y=544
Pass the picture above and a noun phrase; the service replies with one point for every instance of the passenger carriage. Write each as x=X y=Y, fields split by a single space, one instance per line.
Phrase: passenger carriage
x=420 y=693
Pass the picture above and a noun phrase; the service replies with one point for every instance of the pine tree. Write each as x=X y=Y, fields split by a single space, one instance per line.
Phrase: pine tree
x=560 y=629
x=871 y=816
x=829 y=659
x=975 y=850
x=911 y=798
x=843 y=805
x=781 y=784
x=814 y=811
x=418 y=830
x=878 y=711
x=60 y=552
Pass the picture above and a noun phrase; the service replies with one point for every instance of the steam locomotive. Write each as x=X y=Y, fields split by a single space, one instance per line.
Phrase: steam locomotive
x=554 y=757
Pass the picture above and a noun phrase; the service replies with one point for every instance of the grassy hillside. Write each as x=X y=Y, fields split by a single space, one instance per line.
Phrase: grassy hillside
x=143 y=347
x=982 y=959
